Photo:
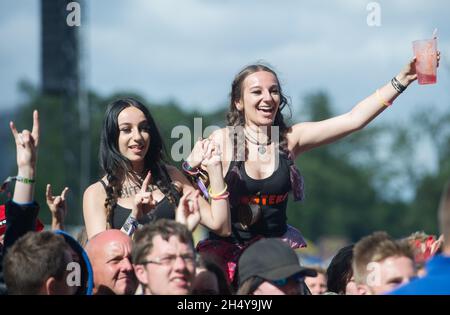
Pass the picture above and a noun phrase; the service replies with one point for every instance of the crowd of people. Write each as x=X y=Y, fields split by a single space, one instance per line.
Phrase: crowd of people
x=139 y=217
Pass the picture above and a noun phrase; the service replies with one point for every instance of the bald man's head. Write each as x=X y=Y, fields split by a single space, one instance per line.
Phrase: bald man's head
x=110 y=255
x=105 y=237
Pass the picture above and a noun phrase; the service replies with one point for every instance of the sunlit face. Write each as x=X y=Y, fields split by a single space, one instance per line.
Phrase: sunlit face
x=170 y=267
x=134 y=136
x=317 y=285
x=113 y=269
x=395 y=271
x=260 y=99
x=391 y=273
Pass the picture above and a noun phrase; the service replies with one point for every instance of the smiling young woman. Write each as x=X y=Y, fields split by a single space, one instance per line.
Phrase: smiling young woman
x=259 y=150
x=132 y=155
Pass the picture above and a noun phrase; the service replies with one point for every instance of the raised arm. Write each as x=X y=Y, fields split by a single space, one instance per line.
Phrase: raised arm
x=57 y=206
x=22 y=211
x=26 y=148
x=215 y=216
x=308 y=135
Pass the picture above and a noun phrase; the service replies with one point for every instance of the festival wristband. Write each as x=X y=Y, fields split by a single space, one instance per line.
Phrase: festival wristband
x=130 y=225
x=18 y=178
x=222 y=195
x=188 y=169
x=24 y=179
x=203 y=188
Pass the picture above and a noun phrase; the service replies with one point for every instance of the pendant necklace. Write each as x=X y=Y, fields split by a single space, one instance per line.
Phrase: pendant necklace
x=261 y=146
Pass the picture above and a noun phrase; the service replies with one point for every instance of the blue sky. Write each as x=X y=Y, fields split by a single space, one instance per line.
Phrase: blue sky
x=190 y=50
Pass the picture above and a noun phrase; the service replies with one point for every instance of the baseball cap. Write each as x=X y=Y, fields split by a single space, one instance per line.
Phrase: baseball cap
x=270 y=259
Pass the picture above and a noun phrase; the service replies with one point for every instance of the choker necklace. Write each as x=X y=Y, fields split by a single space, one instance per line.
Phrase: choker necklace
x=261 y=146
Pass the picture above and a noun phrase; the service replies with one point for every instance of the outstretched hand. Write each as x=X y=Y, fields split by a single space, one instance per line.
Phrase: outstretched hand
x=26 y=143
x=143 y=200
x=188 y=210
x=408 y=74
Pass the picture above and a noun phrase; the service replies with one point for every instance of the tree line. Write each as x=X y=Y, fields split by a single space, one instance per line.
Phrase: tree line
x=350 y=189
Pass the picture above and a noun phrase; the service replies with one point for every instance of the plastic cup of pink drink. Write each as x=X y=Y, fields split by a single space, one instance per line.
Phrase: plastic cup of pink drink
x=426 y=62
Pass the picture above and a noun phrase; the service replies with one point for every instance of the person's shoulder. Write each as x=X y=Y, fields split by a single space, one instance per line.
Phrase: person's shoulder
x=95 y=189
x=93 y=199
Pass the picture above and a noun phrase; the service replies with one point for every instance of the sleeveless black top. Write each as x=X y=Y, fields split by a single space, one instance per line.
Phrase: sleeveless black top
x=258 y=207
x=164 y=209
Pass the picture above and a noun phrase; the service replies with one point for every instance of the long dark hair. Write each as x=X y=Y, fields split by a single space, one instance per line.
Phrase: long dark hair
x=236 y=118
x=340 y=270
x=116 y=167
x=210 y=263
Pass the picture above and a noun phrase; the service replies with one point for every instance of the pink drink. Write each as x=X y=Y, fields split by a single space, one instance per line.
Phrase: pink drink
x=426 y=62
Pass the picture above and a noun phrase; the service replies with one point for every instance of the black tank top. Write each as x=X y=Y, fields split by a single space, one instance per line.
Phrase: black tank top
x=258 y=207
x=164 y=209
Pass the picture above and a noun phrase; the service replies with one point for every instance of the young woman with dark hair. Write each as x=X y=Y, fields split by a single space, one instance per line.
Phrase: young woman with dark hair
x=132 y=153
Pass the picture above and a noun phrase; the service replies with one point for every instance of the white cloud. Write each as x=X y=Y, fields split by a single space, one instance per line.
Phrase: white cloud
x=19 y=53
x=190 y=50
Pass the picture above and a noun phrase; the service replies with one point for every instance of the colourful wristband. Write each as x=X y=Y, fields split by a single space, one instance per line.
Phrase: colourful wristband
x=219 y=195
x=25 y=180
x=188 y=169
x=4 y=185
x=202 y=187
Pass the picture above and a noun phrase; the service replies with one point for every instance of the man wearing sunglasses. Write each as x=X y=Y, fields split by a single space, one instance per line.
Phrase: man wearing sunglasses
x=271 y=267
x=164 y=258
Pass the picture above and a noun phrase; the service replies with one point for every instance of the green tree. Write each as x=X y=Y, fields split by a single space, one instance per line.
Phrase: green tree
x=341 y=197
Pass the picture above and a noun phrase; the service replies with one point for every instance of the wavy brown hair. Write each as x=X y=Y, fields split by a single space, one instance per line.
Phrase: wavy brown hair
x=235 y=117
